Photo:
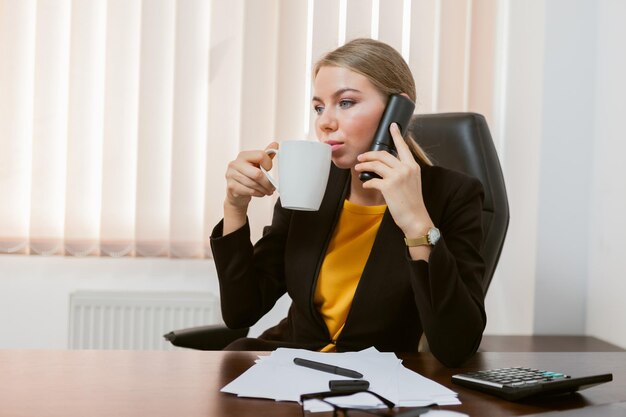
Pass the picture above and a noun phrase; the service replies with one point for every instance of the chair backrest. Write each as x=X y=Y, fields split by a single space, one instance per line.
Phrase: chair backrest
x=462 y=142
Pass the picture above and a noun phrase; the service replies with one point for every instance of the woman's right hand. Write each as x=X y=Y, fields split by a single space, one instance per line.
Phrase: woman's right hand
x=245 y=180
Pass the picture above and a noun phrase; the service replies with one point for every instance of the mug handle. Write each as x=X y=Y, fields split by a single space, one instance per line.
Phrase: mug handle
x=267 y=174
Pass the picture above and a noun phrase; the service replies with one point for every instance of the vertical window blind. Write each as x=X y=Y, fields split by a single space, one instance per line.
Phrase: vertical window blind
x=118 y=117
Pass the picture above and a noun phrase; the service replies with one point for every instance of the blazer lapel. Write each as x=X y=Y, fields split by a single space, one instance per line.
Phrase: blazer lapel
x=313 y=231
x=387 y=252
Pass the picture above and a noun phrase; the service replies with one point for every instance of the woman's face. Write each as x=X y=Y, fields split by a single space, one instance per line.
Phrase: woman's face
x=348 y=108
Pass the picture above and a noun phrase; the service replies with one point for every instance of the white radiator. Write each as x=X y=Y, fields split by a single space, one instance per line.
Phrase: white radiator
x=135 y=320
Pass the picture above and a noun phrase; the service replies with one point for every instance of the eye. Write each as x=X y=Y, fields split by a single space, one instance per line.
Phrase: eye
x=318 y=109
x=345 y=103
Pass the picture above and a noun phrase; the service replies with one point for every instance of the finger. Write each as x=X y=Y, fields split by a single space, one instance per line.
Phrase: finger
x=404 y=153
x=243 y=190
x=256 y=158
x=272 y=145
x=377 y=167
x=382 y=156
x=373 y=184
x=253 y=157
x=252 y=184
x=266 y=161
x=254 y=177
x=242 y=167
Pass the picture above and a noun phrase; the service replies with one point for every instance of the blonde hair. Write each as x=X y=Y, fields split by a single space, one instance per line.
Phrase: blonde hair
x=384 y=67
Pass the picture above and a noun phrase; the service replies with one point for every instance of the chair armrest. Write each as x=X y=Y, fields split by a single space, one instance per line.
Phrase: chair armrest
x=214 y=337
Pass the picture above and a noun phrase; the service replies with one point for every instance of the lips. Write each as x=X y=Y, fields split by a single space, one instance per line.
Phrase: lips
x=334 y=144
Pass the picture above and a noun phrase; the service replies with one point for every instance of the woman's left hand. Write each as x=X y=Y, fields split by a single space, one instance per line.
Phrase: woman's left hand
x=400 y=185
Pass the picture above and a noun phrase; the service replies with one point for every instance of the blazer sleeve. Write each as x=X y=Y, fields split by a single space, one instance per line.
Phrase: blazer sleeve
x=448 y=288
x=251 y=278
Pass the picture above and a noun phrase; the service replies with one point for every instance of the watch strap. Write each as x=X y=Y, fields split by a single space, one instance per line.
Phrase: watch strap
x=417 y=241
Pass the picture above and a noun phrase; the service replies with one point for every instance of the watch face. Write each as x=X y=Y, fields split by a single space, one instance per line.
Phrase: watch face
x=433 y=235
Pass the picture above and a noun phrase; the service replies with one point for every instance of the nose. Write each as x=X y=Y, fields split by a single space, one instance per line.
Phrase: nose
x=327 y=121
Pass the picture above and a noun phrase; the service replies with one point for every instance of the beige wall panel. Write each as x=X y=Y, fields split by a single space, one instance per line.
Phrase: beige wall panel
x=225 y=95
x=119 y=150
x=452 y=56
x=191 y=87
x=390 y=22
x=154 y=135
x=85 y=125
x=325 y=38
x=423 y=53
x=291 y=69
x=482 y=63
x=325 y=27
x=258 y=103
x=358 y=19
x=50 y=127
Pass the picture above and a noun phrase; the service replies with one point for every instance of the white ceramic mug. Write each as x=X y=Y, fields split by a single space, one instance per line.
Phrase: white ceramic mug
x=303 y=168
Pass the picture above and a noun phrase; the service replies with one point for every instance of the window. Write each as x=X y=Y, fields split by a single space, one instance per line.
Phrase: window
x=118 y=117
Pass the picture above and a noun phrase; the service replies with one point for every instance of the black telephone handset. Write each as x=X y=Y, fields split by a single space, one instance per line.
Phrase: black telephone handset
x=399 y=109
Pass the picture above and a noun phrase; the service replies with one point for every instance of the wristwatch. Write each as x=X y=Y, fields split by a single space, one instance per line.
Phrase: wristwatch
x=429 y=239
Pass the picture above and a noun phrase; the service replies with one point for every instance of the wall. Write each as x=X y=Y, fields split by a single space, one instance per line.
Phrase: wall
x=34 y=291
x=563 y=146
x=509 y=301
x=34 y=295
x=606 y=310
x=558 y=124
x=566 y=163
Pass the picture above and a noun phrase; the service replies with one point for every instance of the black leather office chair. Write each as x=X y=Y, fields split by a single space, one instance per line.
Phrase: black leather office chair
x=458 y=141
x=462 y=142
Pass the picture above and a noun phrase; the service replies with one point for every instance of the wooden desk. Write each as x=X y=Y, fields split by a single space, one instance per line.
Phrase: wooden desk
x=546 y=343
x=186 y=383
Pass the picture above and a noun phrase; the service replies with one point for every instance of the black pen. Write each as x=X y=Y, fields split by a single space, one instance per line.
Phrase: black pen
x=327 y=368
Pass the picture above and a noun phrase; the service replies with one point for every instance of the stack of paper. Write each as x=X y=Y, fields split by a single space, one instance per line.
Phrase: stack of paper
x=277 y=377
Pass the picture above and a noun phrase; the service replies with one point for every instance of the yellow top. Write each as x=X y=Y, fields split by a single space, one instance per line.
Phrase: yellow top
x=343 y=265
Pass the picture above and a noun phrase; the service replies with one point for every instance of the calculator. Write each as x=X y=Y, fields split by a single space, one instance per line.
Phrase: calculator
x=518 y=383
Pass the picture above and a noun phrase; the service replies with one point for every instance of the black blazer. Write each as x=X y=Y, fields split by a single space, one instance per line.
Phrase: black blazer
x=396 y=299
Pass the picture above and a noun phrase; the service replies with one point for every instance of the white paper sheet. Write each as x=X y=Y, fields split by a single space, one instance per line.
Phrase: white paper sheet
x=277 y=377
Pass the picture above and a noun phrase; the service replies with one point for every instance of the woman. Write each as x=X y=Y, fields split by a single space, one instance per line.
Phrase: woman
x=381 y=262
